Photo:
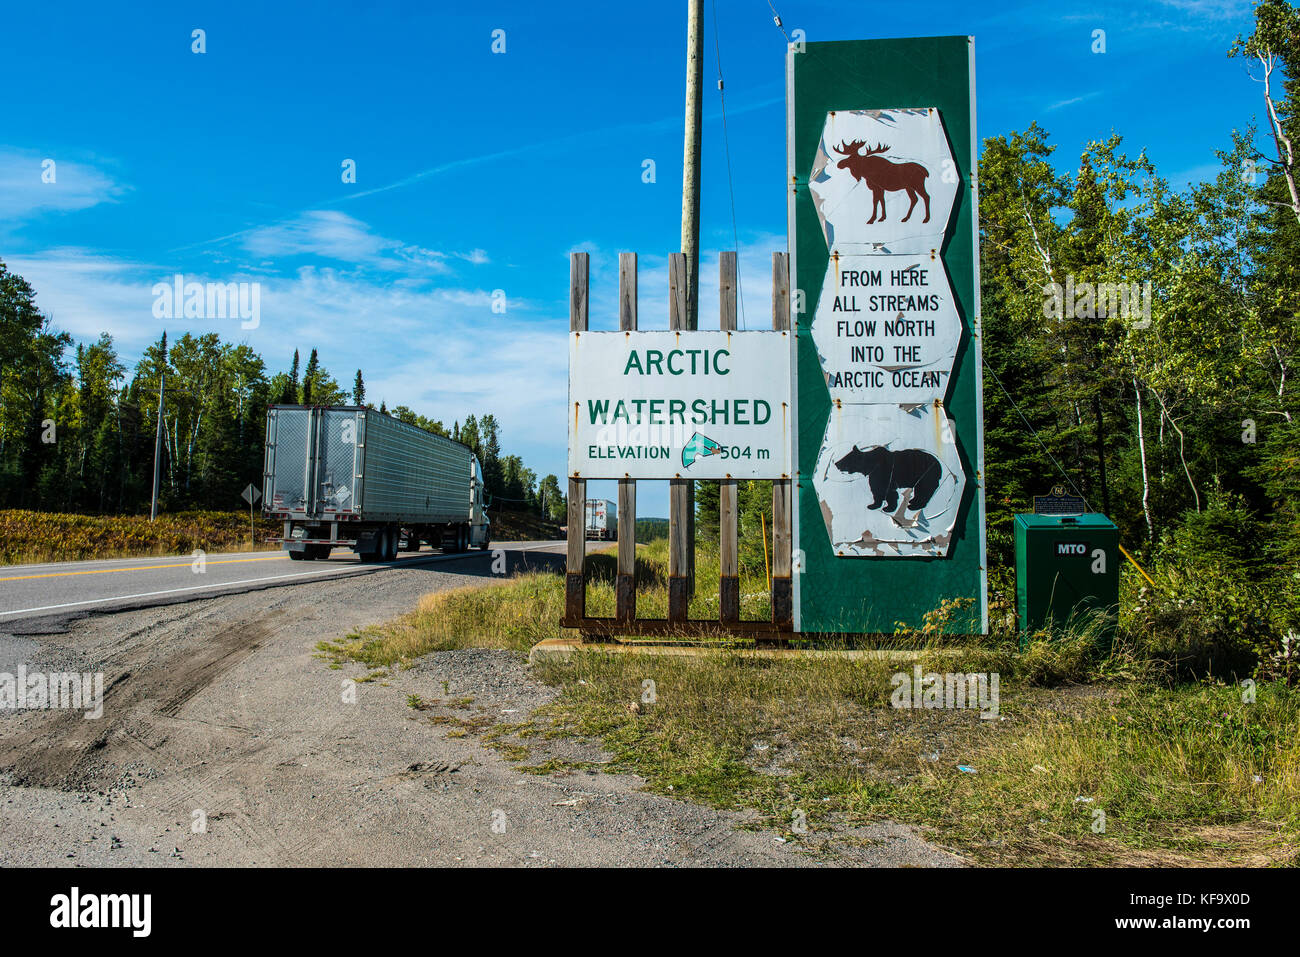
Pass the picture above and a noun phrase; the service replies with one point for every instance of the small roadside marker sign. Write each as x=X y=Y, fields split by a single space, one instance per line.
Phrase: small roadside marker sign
x=252 y=494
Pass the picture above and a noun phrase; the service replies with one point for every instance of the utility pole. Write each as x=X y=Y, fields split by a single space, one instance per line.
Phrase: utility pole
x=157 y=447
x=691 y=213
x=691 y=159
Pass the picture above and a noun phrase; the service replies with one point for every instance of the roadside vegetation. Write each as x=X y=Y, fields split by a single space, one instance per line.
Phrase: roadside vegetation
x=1106 y=772
x=27 y=537
x=517 y=612
x=30 y=537
x=518 y=525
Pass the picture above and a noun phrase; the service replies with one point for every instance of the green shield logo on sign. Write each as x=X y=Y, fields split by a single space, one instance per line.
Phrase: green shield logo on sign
x=698 y=445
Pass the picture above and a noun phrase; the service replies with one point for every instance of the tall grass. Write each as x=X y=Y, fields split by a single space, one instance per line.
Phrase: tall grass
x=1192 y=774
x=520 y=611
x=27 y=537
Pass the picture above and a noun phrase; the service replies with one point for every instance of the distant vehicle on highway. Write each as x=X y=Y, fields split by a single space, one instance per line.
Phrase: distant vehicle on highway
x=602 y=519
x=353 y=477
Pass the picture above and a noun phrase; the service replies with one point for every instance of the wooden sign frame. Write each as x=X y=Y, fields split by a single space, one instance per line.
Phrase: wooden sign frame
x=680 y=525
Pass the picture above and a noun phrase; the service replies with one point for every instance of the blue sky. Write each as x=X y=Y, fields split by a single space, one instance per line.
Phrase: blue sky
x=481 y=171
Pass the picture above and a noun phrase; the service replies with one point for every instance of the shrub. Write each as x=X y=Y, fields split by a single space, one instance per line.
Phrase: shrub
x=1211 y=612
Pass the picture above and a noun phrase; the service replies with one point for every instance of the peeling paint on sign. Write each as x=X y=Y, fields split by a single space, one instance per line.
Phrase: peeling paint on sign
x=889 y=480
x=883 y=181
x=882 y=154
x=887 y=331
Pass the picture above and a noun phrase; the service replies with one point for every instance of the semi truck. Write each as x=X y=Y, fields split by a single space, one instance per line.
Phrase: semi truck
x=349 y=476
x=602 y=519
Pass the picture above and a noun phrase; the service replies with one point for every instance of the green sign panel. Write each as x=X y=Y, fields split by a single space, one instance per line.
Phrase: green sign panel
x=888 y=444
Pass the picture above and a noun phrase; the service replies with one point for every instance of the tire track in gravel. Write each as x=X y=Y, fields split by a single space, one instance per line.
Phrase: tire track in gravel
x=55 y=749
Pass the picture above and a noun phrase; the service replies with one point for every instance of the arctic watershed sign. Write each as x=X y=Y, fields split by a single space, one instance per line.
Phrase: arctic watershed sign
x=688 y=405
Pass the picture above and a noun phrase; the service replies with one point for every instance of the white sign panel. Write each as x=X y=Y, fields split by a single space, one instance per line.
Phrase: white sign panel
x=884 y=181
x=889 y=480
x=666 y=404
x=886 y=329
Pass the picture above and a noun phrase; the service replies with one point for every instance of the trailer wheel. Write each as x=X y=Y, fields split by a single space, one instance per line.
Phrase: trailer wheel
x=297 y=556
x=392 y=538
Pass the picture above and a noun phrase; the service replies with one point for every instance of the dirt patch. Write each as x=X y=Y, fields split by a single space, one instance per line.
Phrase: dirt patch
x=64 y=749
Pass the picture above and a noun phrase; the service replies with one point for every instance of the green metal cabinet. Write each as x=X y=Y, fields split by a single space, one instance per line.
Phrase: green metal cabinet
x=1067 y=566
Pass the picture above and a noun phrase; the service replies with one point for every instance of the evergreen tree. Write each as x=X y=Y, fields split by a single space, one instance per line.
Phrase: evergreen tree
x=292 y=395
x=309 y=379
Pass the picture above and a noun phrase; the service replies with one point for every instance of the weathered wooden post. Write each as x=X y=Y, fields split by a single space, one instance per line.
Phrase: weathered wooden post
x=680 y=542
x=782 y=583
x=728 y=537
x=575 y=589
x=625 y=582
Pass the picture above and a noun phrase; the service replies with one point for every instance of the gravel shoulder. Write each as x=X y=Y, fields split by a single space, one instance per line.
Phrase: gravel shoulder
x=225 y=740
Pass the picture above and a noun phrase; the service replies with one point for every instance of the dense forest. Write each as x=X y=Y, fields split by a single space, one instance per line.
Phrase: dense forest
x=78 y=435
x=1139 y=349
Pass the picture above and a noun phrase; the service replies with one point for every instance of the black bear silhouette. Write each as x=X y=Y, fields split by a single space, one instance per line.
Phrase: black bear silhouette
x=890 y=472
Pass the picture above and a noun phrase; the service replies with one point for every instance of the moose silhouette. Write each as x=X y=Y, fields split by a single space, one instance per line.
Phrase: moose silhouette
x=883 y=175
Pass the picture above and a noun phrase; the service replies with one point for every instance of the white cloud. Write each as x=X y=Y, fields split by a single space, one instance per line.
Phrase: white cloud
x=77 y=185
x=329 y=234
x=1061 y=104
x=1211 y=9
x=86 y=294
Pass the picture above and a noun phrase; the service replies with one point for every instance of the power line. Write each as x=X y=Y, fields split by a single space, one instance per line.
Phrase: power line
x=1034 y=433
x=777 y=17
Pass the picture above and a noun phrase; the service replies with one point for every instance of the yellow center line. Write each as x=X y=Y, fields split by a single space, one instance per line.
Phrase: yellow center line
x=141 y=568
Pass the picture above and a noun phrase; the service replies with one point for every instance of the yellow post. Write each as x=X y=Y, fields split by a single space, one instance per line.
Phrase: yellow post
x=1133 y=561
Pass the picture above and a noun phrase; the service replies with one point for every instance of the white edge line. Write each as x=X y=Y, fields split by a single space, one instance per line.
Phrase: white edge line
x=247 y=581
x=169 y=591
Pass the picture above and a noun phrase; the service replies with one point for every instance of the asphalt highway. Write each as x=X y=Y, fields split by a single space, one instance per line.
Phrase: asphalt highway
x=58 y=589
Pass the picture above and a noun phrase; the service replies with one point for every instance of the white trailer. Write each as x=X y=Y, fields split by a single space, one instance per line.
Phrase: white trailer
x=602 y=519
x=350 y=476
